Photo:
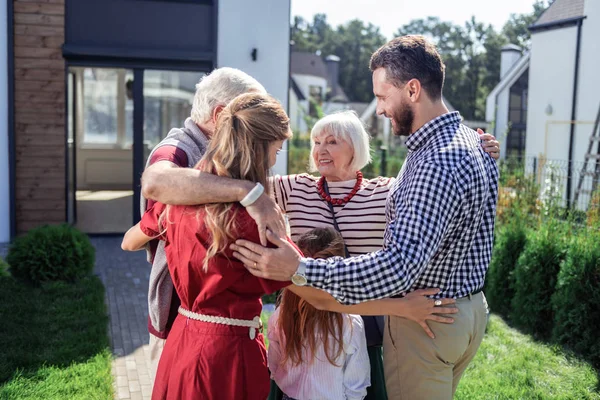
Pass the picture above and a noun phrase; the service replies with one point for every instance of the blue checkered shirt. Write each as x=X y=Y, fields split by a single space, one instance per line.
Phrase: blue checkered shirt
x=440 y=222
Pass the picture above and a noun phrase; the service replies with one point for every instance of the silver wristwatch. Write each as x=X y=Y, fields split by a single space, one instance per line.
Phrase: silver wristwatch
x=299 y=278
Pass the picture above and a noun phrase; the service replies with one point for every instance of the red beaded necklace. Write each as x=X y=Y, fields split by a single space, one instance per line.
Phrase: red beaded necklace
x=339 y=202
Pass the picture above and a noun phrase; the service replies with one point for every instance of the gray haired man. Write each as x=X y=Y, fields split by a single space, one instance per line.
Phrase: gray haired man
x=179 y=151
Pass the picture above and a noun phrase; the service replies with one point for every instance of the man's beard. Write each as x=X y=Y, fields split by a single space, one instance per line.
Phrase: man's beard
x=403 y=119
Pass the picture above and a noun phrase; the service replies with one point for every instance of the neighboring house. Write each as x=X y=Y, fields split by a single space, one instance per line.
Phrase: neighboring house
x=88 y=87
x=507 y=103
x=557 y=86
x=556 y=82
x=314 y=81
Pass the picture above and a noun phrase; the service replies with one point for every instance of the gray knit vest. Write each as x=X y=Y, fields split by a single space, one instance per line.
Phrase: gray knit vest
x=193 y=142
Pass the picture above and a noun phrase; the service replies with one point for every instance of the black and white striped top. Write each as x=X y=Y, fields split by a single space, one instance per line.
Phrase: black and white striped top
x=361 y=220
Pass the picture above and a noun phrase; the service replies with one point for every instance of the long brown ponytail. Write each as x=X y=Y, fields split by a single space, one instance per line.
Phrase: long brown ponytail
x=239 y=149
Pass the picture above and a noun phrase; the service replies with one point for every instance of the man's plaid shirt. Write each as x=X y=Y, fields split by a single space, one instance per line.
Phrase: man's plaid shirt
x=440 y=222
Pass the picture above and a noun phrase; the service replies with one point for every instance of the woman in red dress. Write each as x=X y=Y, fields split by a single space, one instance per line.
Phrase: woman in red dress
x=215 y=349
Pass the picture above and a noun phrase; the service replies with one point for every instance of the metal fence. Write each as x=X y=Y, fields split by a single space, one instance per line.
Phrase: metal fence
x=556 y=177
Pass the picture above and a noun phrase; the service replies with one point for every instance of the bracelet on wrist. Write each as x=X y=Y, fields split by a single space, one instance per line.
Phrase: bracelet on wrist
x=253 y=195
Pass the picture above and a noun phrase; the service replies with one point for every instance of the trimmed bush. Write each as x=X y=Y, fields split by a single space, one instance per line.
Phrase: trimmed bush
x=500 y=281
x=535 y=275
x=577 y=298
x=4 y=268
x=51 y=253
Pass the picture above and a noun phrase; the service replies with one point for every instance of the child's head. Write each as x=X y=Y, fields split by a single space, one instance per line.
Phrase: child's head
x=302 y=325
x=321 y=243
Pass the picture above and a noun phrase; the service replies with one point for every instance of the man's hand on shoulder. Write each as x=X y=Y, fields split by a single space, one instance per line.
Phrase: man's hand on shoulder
x=267 y=214
x=278 y=264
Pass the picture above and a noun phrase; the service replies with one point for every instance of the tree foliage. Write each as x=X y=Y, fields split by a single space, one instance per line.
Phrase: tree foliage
x=353 y=42
x=470 y=51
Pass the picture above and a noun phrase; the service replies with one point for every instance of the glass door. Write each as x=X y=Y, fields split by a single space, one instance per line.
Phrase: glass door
x=168 y=97
x=116 y=117
x=100 y=136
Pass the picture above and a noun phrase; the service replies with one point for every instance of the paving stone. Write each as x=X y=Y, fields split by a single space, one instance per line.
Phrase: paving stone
x=125 y=277
x=137 y=396
x=134 y=386
x=123 y=393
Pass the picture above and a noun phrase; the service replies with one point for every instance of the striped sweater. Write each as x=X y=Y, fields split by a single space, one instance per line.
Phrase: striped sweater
x=361 y=220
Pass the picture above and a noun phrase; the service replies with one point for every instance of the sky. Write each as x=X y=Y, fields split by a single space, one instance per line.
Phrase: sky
x=389 y=15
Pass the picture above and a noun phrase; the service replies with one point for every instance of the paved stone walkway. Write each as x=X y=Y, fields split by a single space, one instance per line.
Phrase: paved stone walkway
x=125 y=276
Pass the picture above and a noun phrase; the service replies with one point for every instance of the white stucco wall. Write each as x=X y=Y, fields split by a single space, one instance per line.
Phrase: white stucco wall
x=550 y=83
x=294 y=112
x=4 y=162
x=588 y=96
x=501 y=119
x=265 y=25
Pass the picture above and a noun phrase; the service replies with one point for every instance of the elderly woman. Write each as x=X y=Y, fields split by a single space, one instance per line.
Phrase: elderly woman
x=340 y=198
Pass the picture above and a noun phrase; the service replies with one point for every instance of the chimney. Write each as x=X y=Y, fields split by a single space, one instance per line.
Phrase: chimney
x=333 y=71
x=510 y=54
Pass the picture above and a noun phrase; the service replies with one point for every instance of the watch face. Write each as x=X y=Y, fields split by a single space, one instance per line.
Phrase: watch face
x=299 y=280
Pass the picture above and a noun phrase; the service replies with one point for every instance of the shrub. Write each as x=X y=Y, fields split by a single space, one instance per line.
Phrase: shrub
x=3 y=268
x=298 y=160
x=593 y=213
x=510 y=242
x=535 y=279
x=517 y=198
x=576 y=299
x=51 y=253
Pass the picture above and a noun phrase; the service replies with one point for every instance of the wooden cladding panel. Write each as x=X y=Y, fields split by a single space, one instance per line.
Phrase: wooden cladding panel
x=39 y=103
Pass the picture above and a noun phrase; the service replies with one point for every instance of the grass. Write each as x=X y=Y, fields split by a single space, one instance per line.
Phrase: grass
x=511 y=365
x=54 y=341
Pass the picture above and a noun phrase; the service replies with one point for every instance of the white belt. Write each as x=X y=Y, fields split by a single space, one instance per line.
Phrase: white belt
x=253 y=324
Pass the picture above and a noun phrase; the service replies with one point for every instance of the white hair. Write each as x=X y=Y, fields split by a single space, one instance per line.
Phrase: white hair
x=218 y=89
x=344 y=125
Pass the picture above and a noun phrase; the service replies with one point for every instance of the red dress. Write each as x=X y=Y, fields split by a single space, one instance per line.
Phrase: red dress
x=204 y=360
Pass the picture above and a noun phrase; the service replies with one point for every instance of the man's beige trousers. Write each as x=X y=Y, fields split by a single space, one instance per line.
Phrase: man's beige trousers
x=420 y=368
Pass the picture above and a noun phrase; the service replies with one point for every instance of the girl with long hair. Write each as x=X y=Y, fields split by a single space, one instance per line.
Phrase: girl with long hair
x=317 y=354
x=215 y=349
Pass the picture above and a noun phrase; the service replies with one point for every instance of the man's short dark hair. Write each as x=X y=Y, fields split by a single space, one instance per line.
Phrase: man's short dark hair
x=411 y=57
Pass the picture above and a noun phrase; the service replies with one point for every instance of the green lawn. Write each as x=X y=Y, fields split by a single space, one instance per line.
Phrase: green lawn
x=54 y=341
x=511 y=366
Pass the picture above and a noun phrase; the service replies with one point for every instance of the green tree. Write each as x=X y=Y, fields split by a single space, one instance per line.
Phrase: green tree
x=472 y=52
x=464 y=51
x=353 y=42
x=516 y=28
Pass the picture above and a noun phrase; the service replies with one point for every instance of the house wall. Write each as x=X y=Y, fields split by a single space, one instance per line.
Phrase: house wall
x=588 y=96
x=501 y=119
x=551 y=72
x=239 y=33
x=39 y=102
x=4 y=161
x=295 y=113
x=305 y=81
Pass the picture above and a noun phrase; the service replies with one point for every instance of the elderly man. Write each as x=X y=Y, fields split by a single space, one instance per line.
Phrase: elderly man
x=179 y=151
x=440 y=224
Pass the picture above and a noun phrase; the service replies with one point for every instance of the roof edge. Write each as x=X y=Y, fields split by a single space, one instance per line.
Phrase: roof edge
x=563 y=23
